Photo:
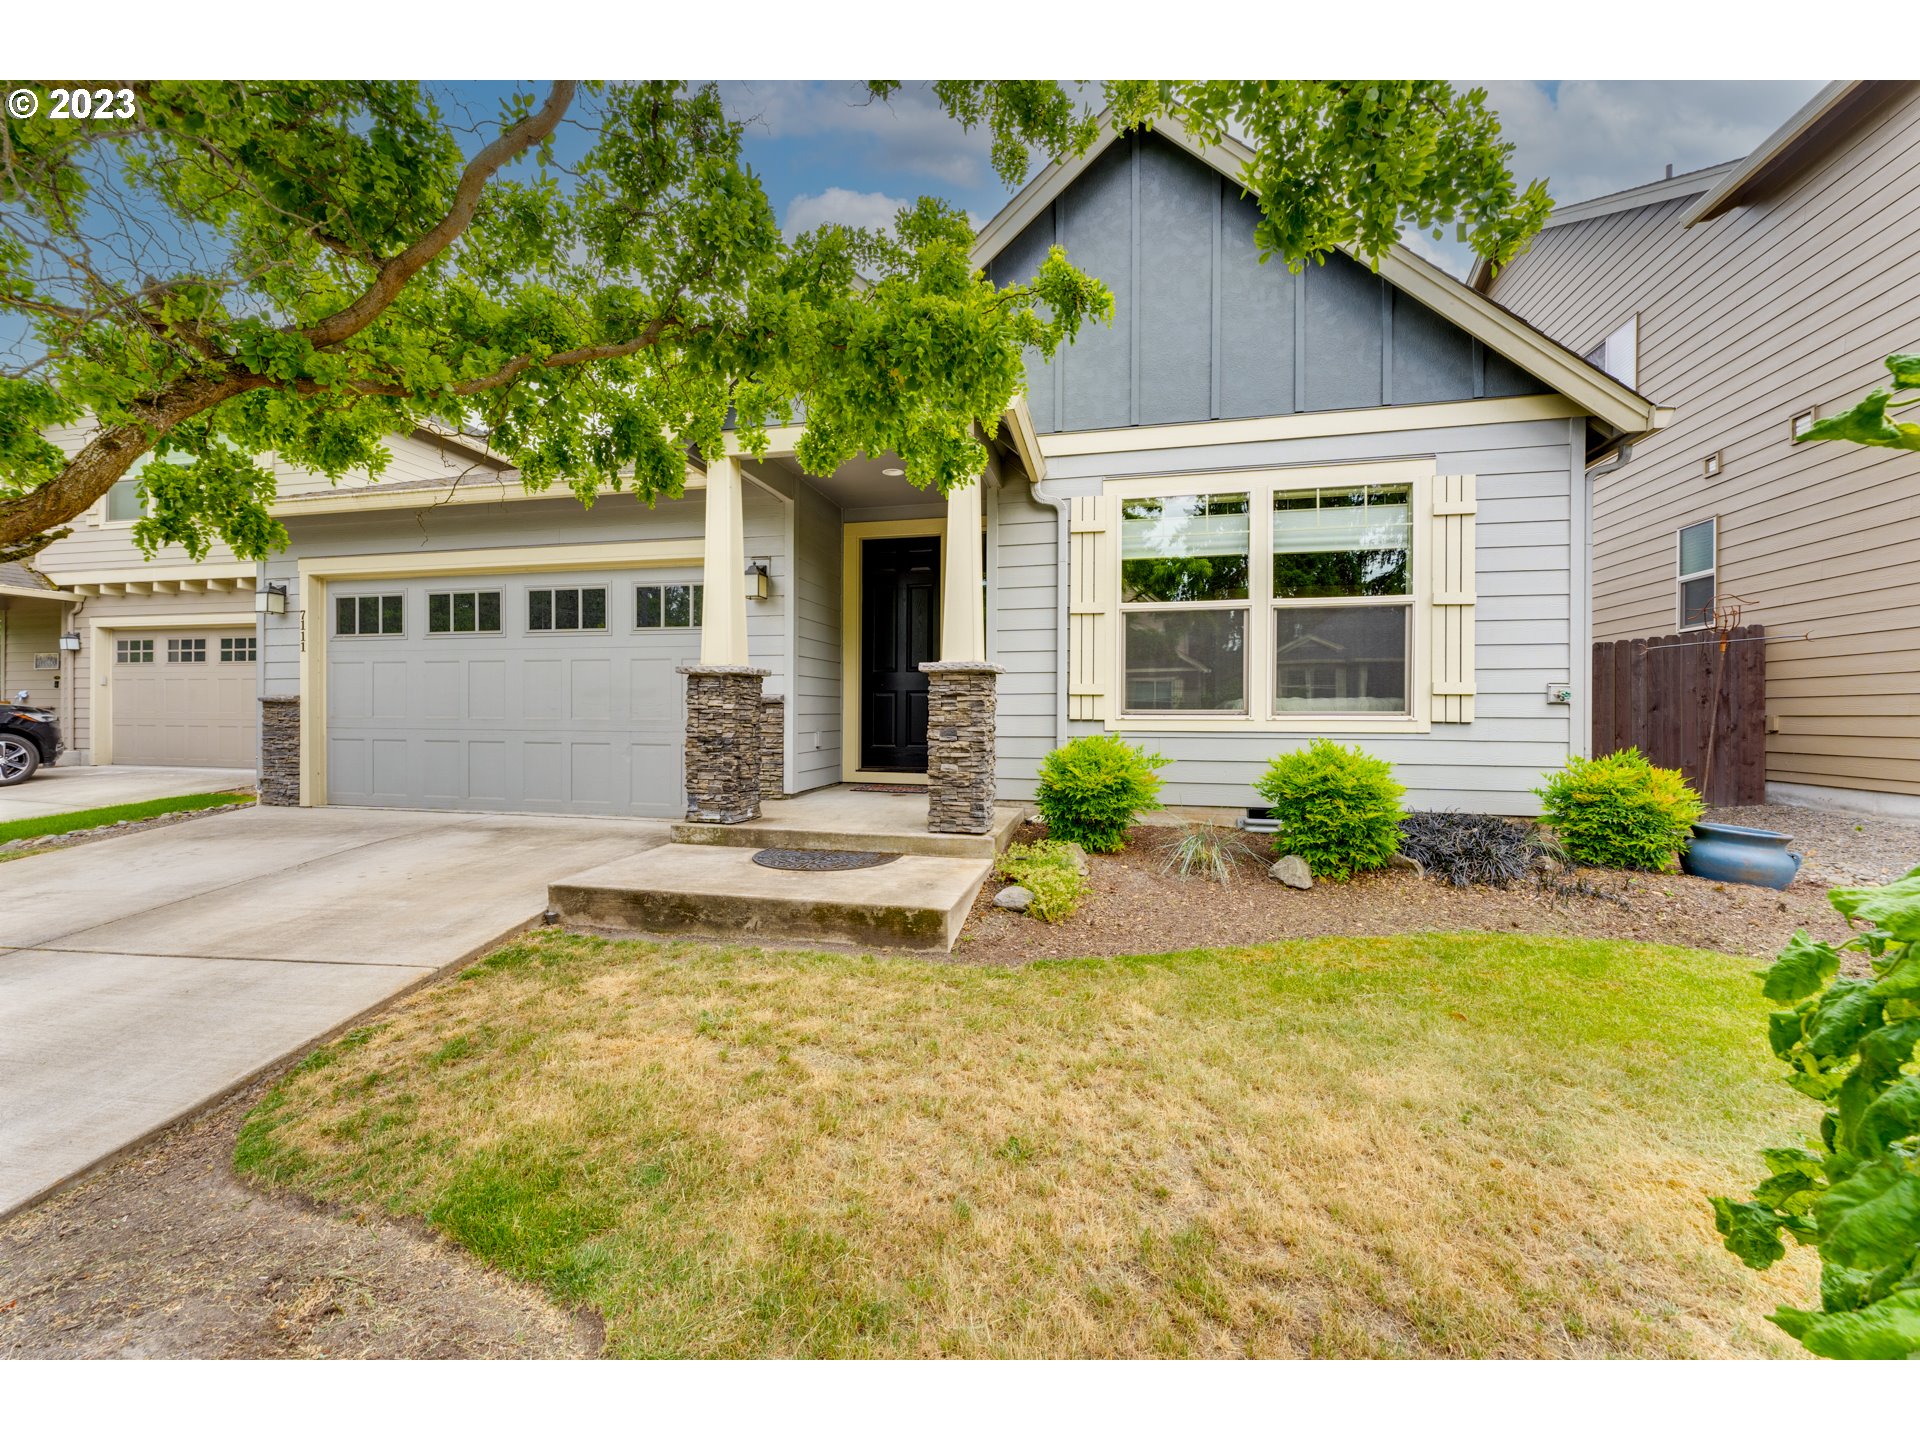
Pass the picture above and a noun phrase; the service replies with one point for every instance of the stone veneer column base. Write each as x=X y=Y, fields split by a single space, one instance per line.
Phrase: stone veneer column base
x=773 y=747
x=723 y=742
x=279 y=750
x=961 y=698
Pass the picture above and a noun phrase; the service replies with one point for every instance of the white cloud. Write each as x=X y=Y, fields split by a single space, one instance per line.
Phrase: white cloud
x=909 y=133
x=866 y=209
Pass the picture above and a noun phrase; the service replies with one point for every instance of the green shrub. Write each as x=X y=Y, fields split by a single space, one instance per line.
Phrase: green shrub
x=1048 y=869
x=1620 y=811
x=1091 y=789
x=1338 y=808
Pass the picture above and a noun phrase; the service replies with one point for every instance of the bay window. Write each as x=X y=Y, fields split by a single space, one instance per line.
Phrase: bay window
x=1185 y=566
x=1342 y=600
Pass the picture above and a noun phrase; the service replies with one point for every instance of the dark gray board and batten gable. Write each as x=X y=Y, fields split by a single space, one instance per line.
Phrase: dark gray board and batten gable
x=1203 y=331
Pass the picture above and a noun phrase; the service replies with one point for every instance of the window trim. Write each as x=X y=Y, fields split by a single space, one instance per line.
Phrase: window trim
x=146 y=655
x=1681 y=577
x=580 y=588
x=333 y=605
x=252 y=642
x=178 y=643
x=476 y=591
x=662 y=585
x=1262 y=717
x=1125 y=607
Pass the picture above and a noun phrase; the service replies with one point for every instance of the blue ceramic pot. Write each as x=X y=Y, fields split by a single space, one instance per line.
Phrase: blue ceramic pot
x=1741 y=856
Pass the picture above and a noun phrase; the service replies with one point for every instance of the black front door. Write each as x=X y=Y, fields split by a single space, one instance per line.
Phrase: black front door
x=899 y=628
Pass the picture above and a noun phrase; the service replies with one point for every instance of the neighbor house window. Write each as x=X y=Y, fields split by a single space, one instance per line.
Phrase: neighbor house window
x=1619 y=353
x=1342 y=600
x=1185 y=568
x=237 y=647
x=463 y=612
x=668 y=607
x=186 y=652
x=368 y=615
x=133 y=652
x=1697 y=562
x=581 y=608
x=123 y=500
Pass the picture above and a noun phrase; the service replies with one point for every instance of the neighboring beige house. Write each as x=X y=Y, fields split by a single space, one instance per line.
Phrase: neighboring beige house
x=166 y=661
x=1751 y=296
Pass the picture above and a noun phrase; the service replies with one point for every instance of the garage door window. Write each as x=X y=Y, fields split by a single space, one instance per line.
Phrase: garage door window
x=668 y=607
x=584 y=608
x=463 y=612
x=186 y=652
x=368 y=615
x=235 y=648
x=133 y=652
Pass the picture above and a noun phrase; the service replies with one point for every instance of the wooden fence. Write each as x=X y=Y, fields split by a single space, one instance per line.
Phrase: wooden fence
x=1689 y=702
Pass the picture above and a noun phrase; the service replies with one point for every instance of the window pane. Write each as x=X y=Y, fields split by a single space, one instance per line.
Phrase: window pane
x=490 y=610
x=1696 y=548
x=679 y=607
x=1356 y=541
x=391 y=622
x=1186 y=660
x=369 y=622
x=1696 y=601
x=463 y=612
x=566 y=609
x=699 y=602
x=593 y=609
x=439 y=614
x=343 y=613
x=1184 y=547
x=540 y=609
x=1340 y=659
x=647 y=607
x=123 y=500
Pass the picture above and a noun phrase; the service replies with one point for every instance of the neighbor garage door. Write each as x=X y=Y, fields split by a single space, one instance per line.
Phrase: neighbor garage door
x=547 y=693
x=184 y=697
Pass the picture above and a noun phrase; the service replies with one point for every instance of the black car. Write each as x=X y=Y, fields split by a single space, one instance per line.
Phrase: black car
x=28 y=739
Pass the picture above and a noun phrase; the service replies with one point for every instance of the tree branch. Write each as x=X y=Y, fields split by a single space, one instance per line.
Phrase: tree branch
x=394 y=274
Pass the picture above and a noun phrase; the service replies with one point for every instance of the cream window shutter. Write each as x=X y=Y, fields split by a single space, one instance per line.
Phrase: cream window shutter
x=1091 y=639
x=1451 y=622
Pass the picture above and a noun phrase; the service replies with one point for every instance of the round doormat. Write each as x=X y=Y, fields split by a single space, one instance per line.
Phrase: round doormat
x=821 y=859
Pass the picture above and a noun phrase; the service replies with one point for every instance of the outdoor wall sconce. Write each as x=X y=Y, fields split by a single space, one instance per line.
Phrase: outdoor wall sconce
x=272 y=600
x=757 y=587
x=70 y=640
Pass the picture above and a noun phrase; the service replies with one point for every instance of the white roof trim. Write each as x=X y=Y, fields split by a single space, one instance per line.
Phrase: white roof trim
x=1591 y=388
x=1727 y=194
x=1656 y=192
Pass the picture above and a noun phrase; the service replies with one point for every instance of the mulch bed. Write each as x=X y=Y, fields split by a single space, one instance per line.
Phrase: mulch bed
x=1136 y=908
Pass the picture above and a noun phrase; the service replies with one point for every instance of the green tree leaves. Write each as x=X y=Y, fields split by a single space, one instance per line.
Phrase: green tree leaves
x=1849 y=1042
x=1867 y=422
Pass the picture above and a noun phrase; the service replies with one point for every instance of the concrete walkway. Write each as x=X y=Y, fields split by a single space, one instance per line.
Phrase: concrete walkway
x=142 y=976
x=59 y=789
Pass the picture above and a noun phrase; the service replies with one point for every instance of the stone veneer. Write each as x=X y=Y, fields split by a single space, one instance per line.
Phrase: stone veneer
x=723 y=742
x=773 y=747
x=961 y=698
x=280 y=750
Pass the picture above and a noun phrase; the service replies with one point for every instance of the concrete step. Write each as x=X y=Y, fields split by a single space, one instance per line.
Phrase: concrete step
x=828 y=822
x=917 y=902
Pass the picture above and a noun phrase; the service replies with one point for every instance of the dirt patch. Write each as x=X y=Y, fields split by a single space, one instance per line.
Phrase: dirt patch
x=166 y=1255
x=1841 y=848
x=1136 y=908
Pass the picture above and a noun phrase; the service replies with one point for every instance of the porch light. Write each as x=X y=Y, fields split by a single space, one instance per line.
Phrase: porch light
x=272 y=600
x=757 y=579
x=70 y=640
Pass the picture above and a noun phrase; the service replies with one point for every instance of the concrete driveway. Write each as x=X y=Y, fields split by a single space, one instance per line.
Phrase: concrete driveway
x=63 y=788
x=142 y=976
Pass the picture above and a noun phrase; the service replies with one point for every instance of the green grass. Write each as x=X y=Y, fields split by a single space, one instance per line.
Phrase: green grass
x=113 y=814
x=1441 y=1145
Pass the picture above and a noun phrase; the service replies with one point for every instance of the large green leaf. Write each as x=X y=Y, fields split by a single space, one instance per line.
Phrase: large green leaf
x=1889 y=1329
x=1893 y=908
x=1894 y=1116
x=1845 y=1013
x=1872 y=1218
x=1752 y=1231
x=1905 y=370
x=1865 y=424
x=1803 y=967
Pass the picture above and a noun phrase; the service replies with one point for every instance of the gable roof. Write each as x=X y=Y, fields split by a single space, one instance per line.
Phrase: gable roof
x=21 y=580
x=1499 y=329
x=1807 y=134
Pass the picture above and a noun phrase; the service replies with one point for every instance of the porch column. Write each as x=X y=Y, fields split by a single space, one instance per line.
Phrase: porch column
x=723 y=691
x=963 y=625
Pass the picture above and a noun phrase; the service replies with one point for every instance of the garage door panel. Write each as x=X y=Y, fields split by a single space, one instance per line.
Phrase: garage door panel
x=487 y=771
x=172 y=710
x=544 y=764
x=590 y=689
x=486 y=689
x=440 y=685
x=443 y=777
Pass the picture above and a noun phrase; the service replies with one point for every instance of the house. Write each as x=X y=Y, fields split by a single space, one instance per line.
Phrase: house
x=1261 y=507
x=159 y=664
x=1754 y=296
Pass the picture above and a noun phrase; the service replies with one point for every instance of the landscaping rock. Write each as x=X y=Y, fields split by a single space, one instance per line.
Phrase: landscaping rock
x=1078 y=856
x=1407 y=862
x=1291 y=870
x=1014 y=897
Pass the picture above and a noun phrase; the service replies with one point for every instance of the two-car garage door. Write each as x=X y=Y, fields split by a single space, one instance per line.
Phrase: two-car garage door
x=553 y=693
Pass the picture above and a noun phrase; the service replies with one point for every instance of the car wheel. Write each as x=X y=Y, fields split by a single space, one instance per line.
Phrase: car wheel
x=18 y=760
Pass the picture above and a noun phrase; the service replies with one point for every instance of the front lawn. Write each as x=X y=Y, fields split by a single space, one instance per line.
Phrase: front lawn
x=1445 y=1145
x=72 y=820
